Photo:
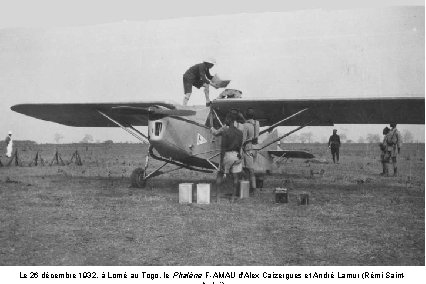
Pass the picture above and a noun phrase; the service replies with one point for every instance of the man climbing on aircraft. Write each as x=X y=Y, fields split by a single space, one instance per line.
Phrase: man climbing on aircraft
x=198 y=76
x=230 y=162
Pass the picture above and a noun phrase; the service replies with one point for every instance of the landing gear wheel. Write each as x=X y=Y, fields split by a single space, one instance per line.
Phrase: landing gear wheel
x=137 y=178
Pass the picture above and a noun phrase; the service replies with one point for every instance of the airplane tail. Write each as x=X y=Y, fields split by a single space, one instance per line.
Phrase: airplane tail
x=272 y=149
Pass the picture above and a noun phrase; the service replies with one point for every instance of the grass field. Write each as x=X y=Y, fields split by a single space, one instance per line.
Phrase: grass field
x=88 y=215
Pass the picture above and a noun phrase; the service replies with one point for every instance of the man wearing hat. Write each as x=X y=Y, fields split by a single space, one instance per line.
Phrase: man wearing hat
x=334 y=145
x=9 y=144
x=198 y=76
x=394 y=141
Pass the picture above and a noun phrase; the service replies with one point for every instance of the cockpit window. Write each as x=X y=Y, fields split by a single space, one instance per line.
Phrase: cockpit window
x=158 y=128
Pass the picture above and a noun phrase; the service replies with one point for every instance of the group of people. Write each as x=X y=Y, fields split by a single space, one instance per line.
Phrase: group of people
x=239 y=134
x=390 y=148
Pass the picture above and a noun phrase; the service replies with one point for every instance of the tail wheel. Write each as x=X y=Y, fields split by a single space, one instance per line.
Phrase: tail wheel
x=137 y=178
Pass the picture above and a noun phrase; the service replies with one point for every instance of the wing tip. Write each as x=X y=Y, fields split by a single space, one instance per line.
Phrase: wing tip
x=17 y=108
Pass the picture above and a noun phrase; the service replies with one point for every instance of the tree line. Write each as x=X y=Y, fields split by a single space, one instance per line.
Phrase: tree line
x=304 y=137
x=308 y=137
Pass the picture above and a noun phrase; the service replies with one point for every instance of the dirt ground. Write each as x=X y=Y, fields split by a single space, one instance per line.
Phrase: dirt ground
x=88 y=215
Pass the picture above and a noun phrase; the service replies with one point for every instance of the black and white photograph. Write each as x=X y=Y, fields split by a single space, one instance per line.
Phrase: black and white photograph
x=225 y=134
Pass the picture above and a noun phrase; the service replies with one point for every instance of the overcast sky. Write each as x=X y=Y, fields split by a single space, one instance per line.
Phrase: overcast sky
x=105 y=53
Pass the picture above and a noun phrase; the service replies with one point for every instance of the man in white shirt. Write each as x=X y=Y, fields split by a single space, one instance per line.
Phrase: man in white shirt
x=9 y=144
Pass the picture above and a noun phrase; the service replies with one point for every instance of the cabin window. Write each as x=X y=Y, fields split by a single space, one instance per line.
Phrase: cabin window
x=158 y=127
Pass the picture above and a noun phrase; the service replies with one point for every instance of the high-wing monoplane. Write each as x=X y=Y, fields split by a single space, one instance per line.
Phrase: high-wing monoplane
x=181 y=136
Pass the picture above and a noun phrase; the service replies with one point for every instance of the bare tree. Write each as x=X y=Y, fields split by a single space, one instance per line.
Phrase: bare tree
x=58 y=137
x=361 y=139
x=407 y=136
x=293 y=138
x=310 y=136
x=87 y=139
x=373 y=138
x=306 y=137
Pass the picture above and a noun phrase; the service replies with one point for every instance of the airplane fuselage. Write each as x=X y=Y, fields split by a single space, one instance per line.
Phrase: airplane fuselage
x=184 y=140
x=192 y=143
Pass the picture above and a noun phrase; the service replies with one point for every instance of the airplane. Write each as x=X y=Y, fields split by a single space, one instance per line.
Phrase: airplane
x=181 y=136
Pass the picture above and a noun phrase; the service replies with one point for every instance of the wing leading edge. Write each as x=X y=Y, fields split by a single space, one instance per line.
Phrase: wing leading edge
x=402 y=110
x=87 y=115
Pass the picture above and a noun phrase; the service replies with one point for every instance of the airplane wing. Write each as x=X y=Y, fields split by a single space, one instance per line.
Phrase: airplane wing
x=89 y=114
x=324 y=112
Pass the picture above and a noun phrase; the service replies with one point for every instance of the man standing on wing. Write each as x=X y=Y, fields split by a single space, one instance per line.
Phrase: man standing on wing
x=198 y=76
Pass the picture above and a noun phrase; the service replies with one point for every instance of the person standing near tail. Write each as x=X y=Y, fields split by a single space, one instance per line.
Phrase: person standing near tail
x=394 y=141
x=198 y=76
x=334 y=145
x=9 y=144
x=385 y=155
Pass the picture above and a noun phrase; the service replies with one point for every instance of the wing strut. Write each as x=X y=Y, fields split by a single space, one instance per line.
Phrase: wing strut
x=285 y=135
x=132 y=131
x=217 y=117
x=154 y=173
x=213 y=165
x=269 y=129
x=140 y=133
